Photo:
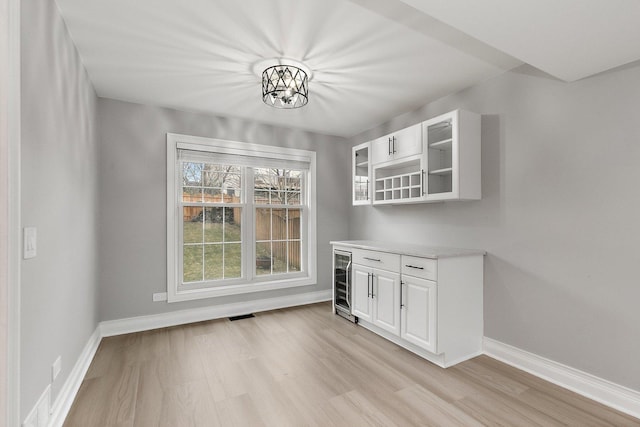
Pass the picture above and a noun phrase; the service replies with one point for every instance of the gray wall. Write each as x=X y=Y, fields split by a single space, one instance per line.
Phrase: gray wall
x=133 y=200
x=559 y=216
x=59 y=197
x=5 y=83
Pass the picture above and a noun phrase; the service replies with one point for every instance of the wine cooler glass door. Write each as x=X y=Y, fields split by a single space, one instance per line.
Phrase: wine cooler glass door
x=342 y=280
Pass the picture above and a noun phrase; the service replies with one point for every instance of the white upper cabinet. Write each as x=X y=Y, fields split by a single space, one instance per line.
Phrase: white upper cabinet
x=452 y=145
x=433 y=161
x=398 y=145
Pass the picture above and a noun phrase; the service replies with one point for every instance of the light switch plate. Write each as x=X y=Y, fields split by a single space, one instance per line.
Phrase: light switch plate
x=29 y=242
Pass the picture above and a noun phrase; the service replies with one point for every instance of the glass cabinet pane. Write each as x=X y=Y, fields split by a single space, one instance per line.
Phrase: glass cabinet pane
x=361 y=174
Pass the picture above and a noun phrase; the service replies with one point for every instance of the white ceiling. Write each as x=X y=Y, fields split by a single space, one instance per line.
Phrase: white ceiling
x=569 y=39
x=371 y=59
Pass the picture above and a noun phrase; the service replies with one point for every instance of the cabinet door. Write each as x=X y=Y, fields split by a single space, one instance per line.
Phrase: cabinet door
x=381 y=150
x=361 y=174
x=361 y=302
x=453 y=151
x=404 y=143
x=419 y=312
x=386 y=300
x=407 y=142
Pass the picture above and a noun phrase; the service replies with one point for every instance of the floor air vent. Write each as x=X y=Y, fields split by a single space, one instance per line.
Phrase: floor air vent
x=244 y=316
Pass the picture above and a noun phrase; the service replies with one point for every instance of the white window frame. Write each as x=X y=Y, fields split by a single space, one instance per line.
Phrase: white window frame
x=175 y=291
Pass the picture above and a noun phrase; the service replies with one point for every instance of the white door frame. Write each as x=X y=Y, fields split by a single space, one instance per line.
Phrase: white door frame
x=10 y=212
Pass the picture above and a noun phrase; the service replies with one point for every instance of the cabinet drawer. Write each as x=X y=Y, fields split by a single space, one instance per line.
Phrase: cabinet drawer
x=425 y=268
x=382 y=260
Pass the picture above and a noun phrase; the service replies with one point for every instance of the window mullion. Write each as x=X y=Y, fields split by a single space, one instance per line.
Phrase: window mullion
x=204 y=221
x=224 y=226
x=286 y=245
x=248 y=229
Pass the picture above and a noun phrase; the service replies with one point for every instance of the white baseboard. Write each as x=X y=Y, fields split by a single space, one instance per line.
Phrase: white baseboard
x=181 y=317
x=616 y=396
x=67 y=394
x=40 y=414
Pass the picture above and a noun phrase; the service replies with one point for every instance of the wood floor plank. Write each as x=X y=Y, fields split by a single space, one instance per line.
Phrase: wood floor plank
x=310 y=397
x=187 y=405
x=484 y=376
x=275 y=408
x=581 y=403
x=495 y=408
x=429 y=409
x=354 y=409
x=149 y=397
x=227 y=380
x=565 y=413
x=305 y=366
x=238 y=411
x=107 y=401
x=428 y=375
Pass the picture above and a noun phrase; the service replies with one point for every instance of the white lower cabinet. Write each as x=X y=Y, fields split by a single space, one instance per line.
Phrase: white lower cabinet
x=419 y=312
x=430 y=304
x=386 y=300
x=376 y=296
x=362 y=305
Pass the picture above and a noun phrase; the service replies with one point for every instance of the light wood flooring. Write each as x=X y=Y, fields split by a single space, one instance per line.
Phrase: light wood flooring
x=305 y=366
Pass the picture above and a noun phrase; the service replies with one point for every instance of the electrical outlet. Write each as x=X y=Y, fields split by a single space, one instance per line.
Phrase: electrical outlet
x=160 y=296
x=56 y=368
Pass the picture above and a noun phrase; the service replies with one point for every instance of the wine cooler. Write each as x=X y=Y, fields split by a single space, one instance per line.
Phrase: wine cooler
x=342 y=284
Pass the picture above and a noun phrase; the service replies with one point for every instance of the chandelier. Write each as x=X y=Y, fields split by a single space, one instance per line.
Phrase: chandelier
x=285 y=86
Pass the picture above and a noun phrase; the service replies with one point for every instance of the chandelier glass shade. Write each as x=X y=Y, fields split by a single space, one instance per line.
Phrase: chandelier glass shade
x=285 y=86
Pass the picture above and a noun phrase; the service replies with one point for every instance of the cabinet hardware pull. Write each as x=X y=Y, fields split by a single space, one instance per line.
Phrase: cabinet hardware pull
x=368 y=285
x=349 y=282
x=389 y=145
x=423 y=177
x=401 y=301
x=372 y=294
x=372 y=259
x=393 y=144
x=414 y=266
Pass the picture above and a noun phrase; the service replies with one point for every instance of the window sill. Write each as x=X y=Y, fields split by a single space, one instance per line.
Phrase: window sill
x=236 y=289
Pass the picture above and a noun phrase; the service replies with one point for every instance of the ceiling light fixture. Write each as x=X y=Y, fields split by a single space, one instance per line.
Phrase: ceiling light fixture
x=285 y=86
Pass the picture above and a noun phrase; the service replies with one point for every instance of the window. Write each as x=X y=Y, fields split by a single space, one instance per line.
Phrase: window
x=240 y=217
x=211 y=221
x=278 y=215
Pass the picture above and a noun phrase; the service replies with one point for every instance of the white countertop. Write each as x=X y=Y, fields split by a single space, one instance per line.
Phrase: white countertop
x=408 y=249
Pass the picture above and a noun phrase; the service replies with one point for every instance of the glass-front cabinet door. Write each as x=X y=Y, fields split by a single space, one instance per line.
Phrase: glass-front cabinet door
x=361 y=174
